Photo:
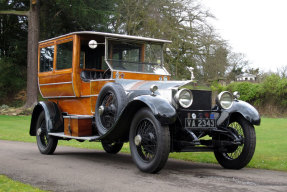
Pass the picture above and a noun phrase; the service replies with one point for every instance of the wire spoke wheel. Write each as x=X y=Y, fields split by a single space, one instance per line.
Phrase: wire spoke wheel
x=112 y=147
x=238 y=155
x=238 y=149
x=148 y=145
x=43 y=134
x=46 y=144
x=110 y=104
x=149 y=141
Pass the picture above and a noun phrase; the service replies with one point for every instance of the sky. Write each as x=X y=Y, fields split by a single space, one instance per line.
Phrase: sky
x=256 y=28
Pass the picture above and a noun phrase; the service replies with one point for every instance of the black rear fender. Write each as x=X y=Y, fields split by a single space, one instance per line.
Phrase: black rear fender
x=53 y=117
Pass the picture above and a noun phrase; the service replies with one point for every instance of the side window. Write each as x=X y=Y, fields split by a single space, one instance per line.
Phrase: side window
x=46 y=59
x=64 y=55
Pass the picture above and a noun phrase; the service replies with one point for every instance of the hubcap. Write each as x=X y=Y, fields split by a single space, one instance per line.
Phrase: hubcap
x=138 y=140
x=39 y=131
x=101 y=109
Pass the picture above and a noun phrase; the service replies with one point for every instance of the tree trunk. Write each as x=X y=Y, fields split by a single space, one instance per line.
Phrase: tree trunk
x=32 y=50
x=32 y=57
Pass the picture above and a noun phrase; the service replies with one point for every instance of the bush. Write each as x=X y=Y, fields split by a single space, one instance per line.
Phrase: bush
x=272 y=91
x=249 y=92
x=12 y=80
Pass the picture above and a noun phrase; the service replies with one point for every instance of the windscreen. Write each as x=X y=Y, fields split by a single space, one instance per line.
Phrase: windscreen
x=137 y=57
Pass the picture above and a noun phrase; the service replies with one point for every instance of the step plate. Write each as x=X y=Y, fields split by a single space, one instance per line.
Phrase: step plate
x=87 y=138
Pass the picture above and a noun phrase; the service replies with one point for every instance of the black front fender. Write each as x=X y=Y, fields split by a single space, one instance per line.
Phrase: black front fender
x=243 y=108
x=53 y=117
x=160 y=107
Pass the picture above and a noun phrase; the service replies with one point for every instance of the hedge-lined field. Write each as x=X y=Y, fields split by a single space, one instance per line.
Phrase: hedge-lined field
x=271 y=148
x=269 y=95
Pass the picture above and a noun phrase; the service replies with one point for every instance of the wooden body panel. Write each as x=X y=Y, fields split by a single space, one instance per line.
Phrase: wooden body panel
x=65 y=76
x=77 y=127
x=93 y=103
x=57 y=90
x=139 y=76
x=96 y=86
x=67 y=89
x=74 y=106
x=56 y=83
x=85 y=88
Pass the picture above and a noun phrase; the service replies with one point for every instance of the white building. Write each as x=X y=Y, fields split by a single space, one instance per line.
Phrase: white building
x=246 y=77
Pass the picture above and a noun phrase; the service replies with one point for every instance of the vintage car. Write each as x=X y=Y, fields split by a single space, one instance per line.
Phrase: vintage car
x=114 y=89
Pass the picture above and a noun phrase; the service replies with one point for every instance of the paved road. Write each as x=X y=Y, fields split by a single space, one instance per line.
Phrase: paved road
x=73 y=169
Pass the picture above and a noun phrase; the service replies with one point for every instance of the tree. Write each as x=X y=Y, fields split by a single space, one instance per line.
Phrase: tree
x=57 y=18
x=282 y=72
x=181 y=21
x=237 y=63
x=33 y=36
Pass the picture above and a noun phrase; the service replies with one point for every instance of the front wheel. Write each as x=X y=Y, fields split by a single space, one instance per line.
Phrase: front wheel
x=149 y=142
x=238 y=156
x=46 y=144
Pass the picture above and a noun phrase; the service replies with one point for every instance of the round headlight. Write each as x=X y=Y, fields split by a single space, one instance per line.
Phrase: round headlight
x=224 y=100
x=184 y=97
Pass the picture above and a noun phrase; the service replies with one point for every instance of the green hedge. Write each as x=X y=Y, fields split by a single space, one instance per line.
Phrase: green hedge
x=273 y=90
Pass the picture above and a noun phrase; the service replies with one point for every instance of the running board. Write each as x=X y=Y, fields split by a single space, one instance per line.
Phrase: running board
x=86 y=138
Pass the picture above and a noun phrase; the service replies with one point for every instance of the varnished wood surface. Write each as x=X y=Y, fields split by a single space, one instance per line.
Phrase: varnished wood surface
x=85 y=88
x=76 y=65
x=139 y=76
x=78 y=127
x=56 y=77
x=93 y=103
x=85 y=93
x=57 y=90
x=75 y=106
x=96 y=86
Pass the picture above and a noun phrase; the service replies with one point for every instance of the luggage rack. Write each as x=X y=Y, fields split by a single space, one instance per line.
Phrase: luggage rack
x=85 y=138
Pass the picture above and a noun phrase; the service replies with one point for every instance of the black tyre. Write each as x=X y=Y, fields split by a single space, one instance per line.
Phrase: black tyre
x=110 y=103
x=112 y=147
x=238 y=156
x=149 y=142
x=46 y=144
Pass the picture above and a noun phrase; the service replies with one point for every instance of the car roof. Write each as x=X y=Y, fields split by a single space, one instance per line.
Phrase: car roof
x=112 y=35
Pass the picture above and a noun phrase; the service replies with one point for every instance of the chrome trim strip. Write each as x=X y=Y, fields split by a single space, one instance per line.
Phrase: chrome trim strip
x=55 y=83
x=78 y=117
x=142 y=72
x=90 y=95
x=111 y=35
x=88 y=138
x=95 y=80
x=53 y=97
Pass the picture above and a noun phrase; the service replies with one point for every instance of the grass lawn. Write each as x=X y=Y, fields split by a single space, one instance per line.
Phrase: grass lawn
x=8 y=185
x=270 y=153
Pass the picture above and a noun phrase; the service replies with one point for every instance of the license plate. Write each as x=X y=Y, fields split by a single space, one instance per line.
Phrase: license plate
x=198 y=123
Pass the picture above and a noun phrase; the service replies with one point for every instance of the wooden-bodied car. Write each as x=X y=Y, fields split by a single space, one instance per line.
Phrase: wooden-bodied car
x=114 y=89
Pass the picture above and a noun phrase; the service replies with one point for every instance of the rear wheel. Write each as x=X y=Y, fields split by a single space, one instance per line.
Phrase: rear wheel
x=238 y=156
x=149 y=142
x=46 y=144
x=112 y=147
